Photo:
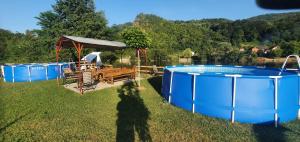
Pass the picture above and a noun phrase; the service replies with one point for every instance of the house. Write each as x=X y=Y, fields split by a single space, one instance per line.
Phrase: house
x=242 y=50
x=275 y=48
x=262 y=48
x=254 y=50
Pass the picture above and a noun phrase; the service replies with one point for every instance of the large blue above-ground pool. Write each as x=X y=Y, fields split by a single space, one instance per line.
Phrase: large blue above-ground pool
x=243 y=94
x=33 y=72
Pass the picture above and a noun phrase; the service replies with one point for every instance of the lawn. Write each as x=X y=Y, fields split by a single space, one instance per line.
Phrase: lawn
x=44 y=111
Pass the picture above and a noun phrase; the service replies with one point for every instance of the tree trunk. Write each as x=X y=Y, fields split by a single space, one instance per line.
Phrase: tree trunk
x=139 y=68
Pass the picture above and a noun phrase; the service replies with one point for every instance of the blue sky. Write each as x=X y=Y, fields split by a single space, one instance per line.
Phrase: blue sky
x=18 y=15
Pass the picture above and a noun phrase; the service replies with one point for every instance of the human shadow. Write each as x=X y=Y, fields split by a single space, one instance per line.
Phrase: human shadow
x=268 y=132
x=133 y=115
x=156 y=83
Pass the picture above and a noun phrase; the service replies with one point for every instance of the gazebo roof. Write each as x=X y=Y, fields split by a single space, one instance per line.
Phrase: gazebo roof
x=68 y=42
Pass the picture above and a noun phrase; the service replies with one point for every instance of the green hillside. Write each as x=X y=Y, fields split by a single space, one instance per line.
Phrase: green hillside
x=210 y=39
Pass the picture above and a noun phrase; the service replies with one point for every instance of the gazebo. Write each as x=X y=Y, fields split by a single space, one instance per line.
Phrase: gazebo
x=79 y=43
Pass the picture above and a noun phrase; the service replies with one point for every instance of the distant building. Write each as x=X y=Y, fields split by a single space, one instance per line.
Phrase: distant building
x=254 y=50
x=262 y=48
x=275 y=48
x=271 y=49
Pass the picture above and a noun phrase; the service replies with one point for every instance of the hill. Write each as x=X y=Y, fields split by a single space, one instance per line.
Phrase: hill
x=209 y=38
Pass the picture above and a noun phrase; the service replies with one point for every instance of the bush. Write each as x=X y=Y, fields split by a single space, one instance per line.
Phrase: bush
x=119 y=65
x=108 y=57
x=187 y=53
x=158 y=57
x=276 y=53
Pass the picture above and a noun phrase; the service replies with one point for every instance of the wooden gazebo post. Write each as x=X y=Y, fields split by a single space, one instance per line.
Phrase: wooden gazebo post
x=79 y=48
x=57 y=49
x=139 y=67
x=144 y=54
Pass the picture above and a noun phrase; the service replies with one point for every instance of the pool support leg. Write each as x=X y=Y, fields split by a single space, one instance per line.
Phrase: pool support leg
x=13 y=73
x=162 y=82
x=29 y=73
x=60 y=70
x=275 y=98
x=234 y=76
x=276 y=111
x=46 y=72
x=194 y=92
x=298 y=97
x=233 y=99
x=170 y=91
x=194 y=89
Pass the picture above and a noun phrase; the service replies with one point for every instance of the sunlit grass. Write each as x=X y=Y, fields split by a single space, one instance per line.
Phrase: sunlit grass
x=44 y=111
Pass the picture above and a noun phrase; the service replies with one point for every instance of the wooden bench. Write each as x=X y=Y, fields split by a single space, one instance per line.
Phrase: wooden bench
x=111 y=76
x=99 y=74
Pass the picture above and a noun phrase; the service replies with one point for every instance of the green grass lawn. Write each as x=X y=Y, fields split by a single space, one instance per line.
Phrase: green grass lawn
x=44 y=111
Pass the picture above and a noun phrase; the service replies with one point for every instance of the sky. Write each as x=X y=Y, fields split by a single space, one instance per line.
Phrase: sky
x=19 y=15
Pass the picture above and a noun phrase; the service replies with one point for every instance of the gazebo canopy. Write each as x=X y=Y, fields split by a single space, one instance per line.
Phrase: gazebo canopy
x=68 y=42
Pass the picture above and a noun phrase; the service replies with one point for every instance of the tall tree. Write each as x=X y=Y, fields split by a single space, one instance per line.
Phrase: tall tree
x=71 y=17
x=5 y=36
x=135 y=38
x=74 y=17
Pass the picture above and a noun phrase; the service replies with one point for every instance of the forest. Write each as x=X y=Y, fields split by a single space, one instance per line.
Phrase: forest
x=222 y=40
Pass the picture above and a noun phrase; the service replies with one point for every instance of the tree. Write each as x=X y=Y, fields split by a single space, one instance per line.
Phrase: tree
x=3 y=46
x=232 y=57
x=290 y=48
x=187 y=53
x=135 y=38
x=237 y=36
x=276 y=52
x=74 y=17
x=71 y=17
x=205 y=37
x=5 y=36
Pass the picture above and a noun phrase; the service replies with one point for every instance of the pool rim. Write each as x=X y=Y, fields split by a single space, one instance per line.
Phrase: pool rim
x=292 y=73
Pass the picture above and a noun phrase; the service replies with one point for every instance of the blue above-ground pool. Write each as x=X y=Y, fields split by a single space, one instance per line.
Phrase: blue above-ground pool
x=33 y=72
x=243 y=94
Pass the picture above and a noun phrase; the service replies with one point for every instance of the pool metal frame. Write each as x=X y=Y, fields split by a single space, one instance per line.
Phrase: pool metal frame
x=234 y=78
